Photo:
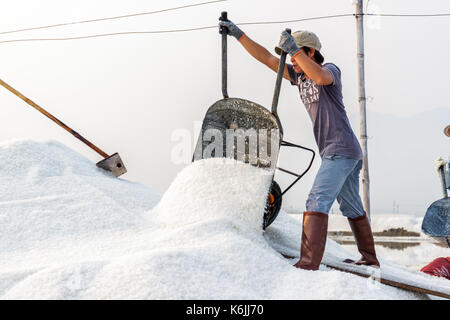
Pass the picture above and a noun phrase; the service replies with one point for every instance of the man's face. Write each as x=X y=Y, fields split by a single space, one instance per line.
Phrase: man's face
x=296 y=67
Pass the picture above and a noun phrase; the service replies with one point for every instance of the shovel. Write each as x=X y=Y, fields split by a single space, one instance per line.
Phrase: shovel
x=112 y=163
x=436 y=222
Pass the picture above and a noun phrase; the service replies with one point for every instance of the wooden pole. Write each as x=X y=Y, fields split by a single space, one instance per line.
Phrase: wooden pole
x=383 y=280
x=54 y=119
x=394 y=283
x=362 y=105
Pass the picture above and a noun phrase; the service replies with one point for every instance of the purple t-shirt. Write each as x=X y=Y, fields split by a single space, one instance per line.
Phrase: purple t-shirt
x=332 y=130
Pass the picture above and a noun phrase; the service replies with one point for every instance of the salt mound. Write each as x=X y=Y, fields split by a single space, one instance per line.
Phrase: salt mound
x=71 y=231
x=31 y=160
x=210 y=190
x=49 y=192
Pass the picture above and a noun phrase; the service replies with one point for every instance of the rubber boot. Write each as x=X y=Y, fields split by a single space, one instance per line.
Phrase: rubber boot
x=364 y=240
x=314 y=238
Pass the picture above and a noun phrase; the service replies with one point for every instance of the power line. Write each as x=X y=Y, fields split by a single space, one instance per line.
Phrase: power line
x=113 y=18
x=174 y=30
x=408 y=15
x=297 y=20
x=112 y=34
x=214 y=26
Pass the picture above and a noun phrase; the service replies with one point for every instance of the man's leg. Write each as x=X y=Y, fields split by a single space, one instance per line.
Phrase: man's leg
x=332 y=175
x=352 y=207
x=330 y=178
x=348 y=198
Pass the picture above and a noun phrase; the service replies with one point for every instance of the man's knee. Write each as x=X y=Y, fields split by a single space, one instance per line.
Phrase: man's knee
x=319 y=203
x=352 y=214
x=351 y=210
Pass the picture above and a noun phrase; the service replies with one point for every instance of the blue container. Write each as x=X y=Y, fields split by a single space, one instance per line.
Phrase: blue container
x=436 y=222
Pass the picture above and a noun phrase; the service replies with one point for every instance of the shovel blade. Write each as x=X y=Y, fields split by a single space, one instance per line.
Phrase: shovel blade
x=113 y=164
x=436 y=222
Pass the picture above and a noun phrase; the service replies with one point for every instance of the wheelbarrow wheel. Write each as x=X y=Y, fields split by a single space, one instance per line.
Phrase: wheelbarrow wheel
x=273 y=204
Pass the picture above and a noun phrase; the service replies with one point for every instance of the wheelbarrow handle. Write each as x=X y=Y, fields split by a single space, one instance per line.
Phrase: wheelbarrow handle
x=443 y=182
x=223 y=17
x=224 y=32
x=276 y=93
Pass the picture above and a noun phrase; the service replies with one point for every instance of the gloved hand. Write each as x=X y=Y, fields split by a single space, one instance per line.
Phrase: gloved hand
x=287 y=44
x=233 y=29
x=438 y=163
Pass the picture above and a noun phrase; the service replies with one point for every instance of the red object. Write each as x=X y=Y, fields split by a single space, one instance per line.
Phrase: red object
x=439 y=267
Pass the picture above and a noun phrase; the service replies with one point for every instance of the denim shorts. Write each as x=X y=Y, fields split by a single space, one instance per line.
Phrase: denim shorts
x=337 y=179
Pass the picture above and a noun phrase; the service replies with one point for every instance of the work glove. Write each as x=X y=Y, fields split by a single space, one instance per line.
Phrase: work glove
x=232 y=29
x=287 y=44
x=438 y=163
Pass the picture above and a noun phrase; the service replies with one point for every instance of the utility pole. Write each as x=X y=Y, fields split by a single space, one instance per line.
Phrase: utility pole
x=362 y=105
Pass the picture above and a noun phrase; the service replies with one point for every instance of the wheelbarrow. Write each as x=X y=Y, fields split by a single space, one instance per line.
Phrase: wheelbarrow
x=248 y=132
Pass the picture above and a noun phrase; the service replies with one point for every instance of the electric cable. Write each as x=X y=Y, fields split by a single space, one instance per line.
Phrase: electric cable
x=112 y=18
x=174 y=30
x=208 y=27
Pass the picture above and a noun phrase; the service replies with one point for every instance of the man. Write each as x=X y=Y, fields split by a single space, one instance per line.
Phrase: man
x=338 y=177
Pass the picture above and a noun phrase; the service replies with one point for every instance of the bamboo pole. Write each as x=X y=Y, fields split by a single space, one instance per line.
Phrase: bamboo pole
x=362 y=105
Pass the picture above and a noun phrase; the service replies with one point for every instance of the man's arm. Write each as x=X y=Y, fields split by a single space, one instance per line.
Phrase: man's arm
x=262 y=55
x=312 y=69
x=256 y=50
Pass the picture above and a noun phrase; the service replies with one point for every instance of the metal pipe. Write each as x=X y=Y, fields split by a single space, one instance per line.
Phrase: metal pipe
x=224 y=32
x=276 y=93
x=443 y=182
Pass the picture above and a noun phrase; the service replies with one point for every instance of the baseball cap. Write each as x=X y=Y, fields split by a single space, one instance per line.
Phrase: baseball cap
x=304 y=38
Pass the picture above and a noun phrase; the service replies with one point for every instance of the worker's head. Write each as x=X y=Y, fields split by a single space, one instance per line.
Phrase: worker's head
x=310 y=43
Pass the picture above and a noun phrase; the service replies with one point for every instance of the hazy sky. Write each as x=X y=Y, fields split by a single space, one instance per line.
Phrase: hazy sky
x=131 y=93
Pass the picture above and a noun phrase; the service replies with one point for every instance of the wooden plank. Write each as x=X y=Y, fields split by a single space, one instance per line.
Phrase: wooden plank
x=394 y=283
x=385 y=281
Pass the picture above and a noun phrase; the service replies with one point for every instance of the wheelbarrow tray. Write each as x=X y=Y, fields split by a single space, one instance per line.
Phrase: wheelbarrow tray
x=246 y=131
x=232 y=125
